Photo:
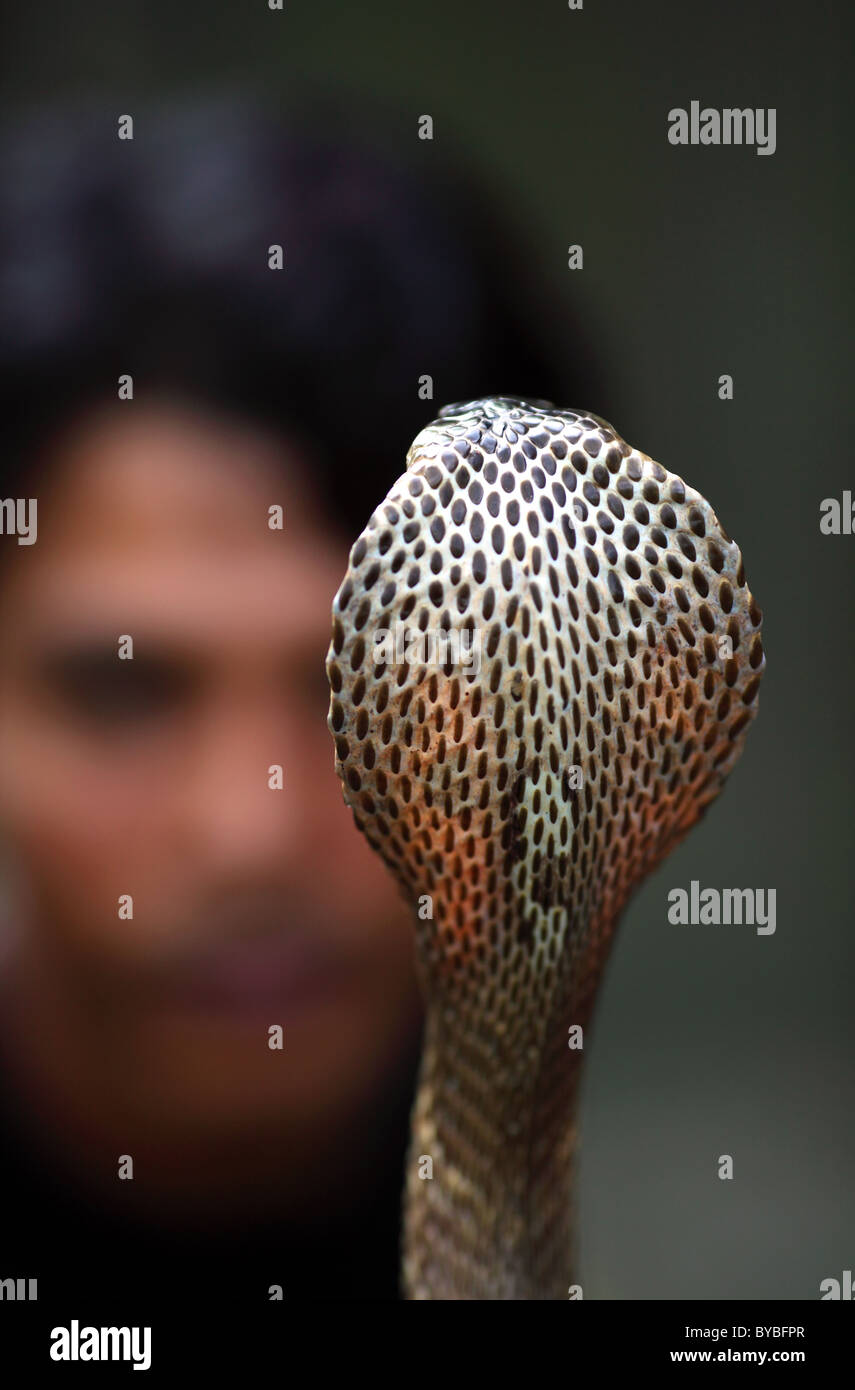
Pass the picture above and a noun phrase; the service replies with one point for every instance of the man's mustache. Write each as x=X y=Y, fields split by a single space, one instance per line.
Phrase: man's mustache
x=248 y=921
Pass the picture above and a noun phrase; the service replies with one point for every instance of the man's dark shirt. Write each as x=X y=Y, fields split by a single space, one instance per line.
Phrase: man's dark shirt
x=94 y=1265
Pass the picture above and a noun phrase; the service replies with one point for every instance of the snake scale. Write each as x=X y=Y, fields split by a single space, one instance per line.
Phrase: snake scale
x=521 y=798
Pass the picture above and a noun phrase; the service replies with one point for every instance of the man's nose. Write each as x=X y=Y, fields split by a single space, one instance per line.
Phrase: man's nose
x=244 y=801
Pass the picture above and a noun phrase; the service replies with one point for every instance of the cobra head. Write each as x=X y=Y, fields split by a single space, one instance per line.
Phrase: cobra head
x=544 y=661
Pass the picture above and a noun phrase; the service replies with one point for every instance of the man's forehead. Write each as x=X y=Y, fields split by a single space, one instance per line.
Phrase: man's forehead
x=167 y=468
x=164 y=524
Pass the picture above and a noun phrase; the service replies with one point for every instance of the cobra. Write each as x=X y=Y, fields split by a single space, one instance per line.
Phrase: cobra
x=519 y=801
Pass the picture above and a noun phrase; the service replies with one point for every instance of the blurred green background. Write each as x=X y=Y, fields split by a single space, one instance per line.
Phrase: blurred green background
x=697 y=262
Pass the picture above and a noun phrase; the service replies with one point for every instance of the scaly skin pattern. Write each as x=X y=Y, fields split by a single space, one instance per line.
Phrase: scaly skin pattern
x=520 y=798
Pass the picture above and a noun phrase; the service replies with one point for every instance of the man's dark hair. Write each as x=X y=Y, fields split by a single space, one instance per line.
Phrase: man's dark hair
x=150 y=257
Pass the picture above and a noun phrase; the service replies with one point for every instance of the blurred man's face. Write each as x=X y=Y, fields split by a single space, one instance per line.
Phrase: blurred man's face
x=252 y=907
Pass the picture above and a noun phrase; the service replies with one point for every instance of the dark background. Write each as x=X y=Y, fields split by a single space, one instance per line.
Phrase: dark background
x=698 y=261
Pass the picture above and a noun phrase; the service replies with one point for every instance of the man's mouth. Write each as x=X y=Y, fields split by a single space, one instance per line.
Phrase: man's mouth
x=290 y=971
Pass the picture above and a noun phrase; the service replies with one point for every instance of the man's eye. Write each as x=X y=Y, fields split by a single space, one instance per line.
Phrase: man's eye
x=102 y=689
